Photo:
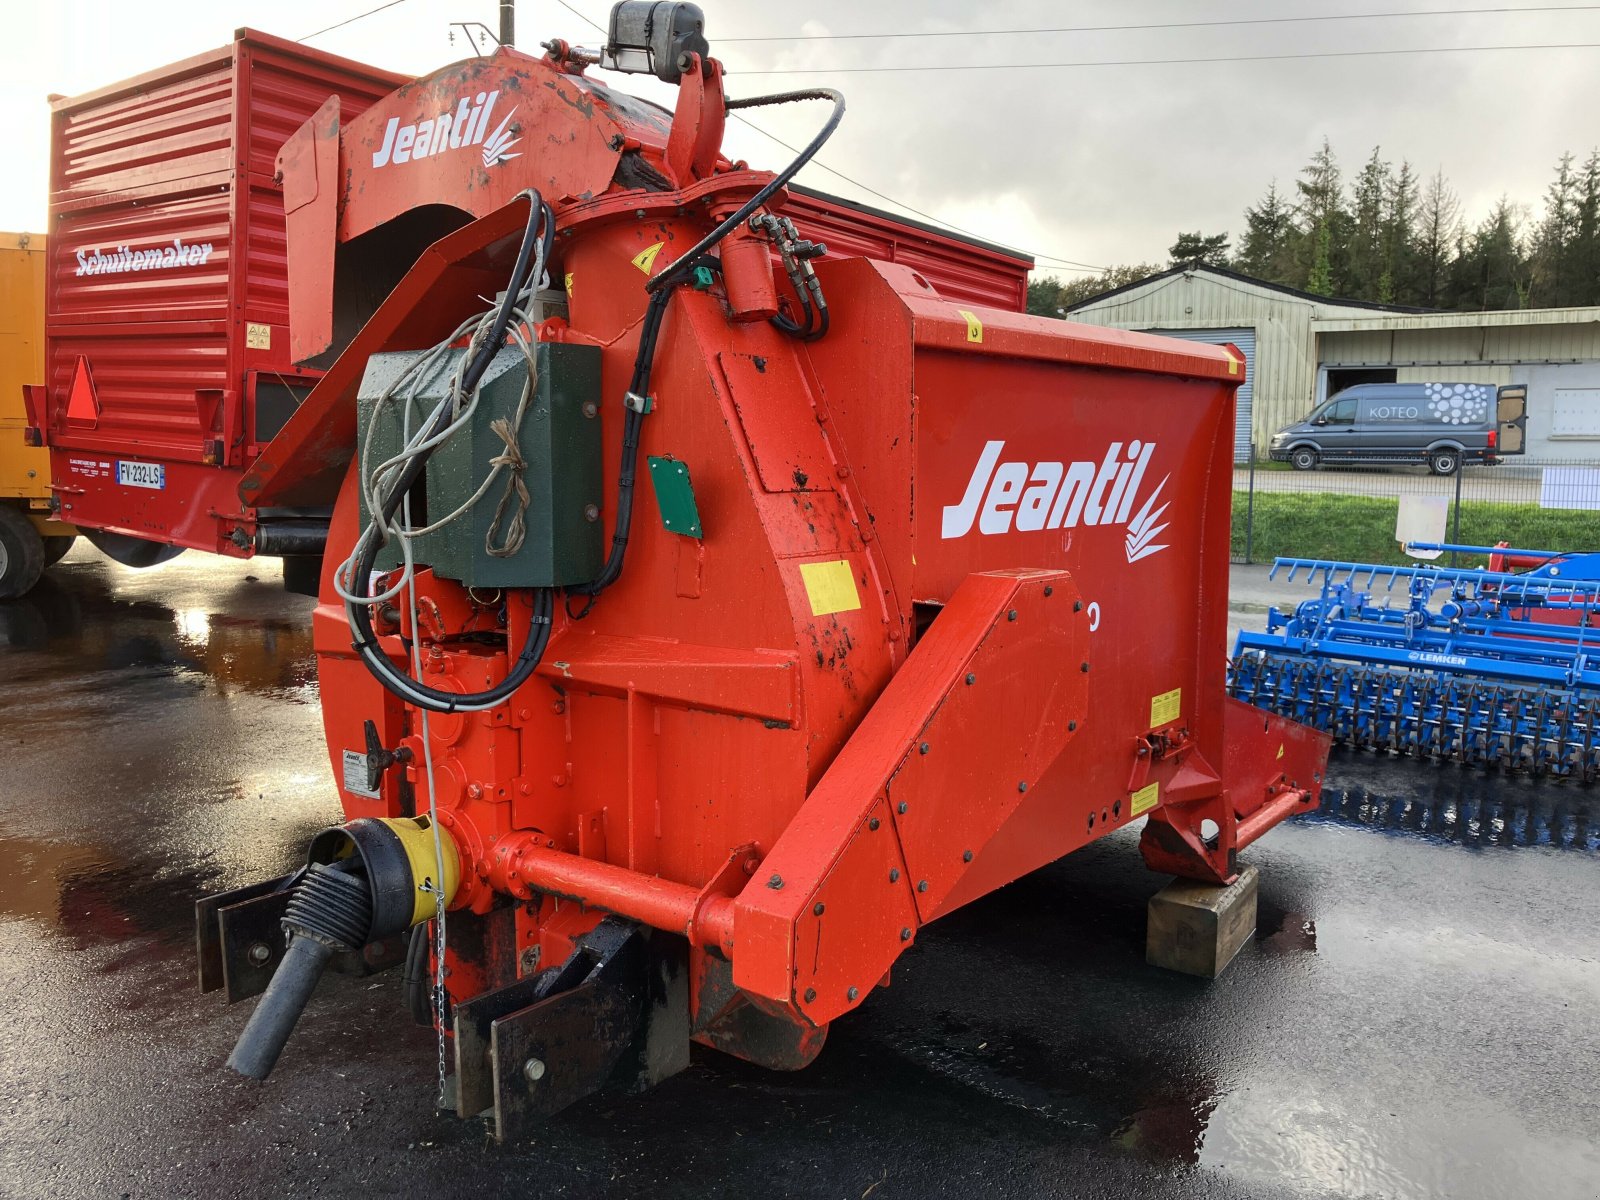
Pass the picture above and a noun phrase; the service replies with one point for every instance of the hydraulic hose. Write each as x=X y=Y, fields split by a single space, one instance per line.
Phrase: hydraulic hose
x=329 y=912
x=414 y=982
x=686 y=263
x=659 y=288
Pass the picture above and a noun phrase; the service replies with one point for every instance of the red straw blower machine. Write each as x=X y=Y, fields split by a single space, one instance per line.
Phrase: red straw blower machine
x=704 y=612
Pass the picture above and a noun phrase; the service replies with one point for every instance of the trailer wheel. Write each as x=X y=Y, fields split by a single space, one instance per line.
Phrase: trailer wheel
x=1444 y=462
x=55 y=548
x=132 y=551
x=1304 y=458
x=21 y=554
x=302 y=574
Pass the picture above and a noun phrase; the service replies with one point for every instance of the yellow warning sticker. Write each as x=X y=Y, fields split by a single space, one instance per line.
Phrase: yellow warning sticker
x=257 y=336
x=974 y=326
x=1280 y=749
x=1165 y=708
x=568 y=282
x=830 y=586
x=1233 y=364
x=646 y=258
x=1144 y=799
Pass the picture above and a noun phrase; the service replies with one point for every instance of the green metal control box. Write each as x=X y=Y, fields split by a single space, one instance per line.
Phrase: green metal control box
x=559 y=440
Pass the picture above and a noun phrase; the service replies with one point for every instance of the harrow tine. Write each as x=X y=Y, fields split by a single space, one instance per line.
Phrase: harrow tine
x=1498 y=675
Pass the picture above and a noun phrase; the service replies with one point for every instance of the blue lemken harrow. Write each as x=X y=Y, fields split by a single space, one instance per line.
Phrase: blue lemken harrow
x=1490 y=668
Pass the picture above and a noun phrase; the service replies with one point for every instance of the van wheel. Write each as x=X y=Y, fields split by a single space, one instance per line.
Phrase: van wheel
x=1304 y=459
x=21 y=554
x=1444 y=462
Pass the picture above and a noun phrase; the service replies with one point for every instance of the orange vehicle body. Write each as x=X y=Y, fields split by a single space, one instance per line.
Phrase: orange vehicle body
x=958 y=608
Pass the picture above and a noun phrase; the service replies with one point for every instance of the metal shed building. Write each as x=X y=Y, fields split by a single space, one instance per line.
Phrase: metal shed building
x=1555 y=351
x=1272 y=325
x=1300 y=348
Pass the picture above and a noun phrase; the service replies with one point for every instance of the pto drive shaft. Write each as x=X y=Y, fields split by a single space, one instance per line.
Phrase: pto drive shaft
x=330 y=912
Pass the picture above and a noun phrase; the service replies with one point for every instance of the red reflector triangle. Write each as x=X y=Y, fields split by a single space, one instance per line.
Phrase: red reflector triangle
x=81 y=404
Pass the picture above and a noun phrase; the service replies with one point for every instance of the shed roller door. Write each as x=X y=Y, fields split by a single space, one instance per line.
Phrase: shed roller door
x=1245 y=339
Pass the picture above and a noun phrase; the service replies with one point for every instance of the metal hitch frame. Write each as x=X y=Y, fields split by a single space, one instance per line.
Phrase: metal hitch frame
x=239 y=940
x=614 y=1014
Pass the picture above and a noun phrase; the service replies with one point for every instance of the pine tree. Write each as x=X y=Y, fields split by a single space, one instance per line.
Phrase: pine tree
x=1556 y=240
x=1397 y=239
x=1319 y=278
x=1324 y=224
x=1585 y=250
x=1437 y=239
x=1368 y=265
x=1197 y=248
x=1267 y=249
x=1399 y=281
x=1491 y=272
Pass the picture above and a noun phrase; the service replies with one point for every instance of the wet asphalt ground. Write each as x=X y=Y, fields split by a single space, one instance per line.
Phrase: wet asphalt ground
x=1417 y=1016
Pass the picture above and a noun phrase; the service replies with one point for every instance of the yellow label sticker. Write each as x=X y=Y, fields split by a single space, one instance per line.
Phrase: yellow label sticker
x=830 y=586
x=1144 y=799
x=1165 y=708
x=646 y=258
x=568 y=282
x=974 y=326
x=1233 y=364
x=257 y=336
x=1280 y=749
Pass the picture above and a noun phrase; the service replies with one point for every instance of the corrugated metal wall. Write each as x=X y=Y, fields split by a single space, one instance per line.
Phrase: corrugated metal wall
x=958 y=268
x=1296 y=335
x=167 y=239
x=1489 y=343
x=1494 y=375
x=1245 y=341
x=1285 y=360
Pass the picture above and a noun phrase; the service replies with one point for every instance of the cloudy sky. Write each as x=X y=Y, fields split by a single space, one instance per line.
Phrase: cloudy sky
x=1096 y=164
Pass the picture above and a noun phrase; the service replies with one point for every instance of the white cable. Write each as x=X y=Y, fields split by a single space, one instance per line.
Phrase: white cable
x=438 y=881
x=374 y=482
x=372 y=479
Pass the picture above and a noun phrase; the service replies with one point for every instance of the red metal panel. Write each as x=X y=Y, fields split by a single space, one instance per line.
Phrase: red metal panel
x=939 y=764
x=151 y=133
x=289 y=83
x=959 y=268
x=145 y=379
x=85 y=289
x=87 y=486
x=286 y=86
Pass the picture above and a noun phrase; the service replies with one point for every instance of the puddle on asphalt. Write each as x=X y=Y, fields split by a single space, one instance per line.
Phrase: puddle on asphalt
x=94 y=895
x=79 y=624
x=1171 y=1125
x=1281 y=932
x=1555 y=816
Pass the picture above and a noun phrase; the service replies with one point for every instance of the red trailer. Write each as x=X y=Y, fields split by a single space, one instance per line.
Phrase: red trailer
x=167 y=344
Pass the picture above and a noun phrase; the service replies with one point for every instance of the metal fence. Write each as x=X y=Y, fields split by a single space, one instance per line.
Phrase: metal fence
x=1349 y=511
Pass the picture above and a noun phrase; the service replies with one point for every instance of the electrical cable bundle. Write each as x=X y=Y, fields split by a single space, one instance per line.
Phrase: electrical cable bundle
x=387 y=485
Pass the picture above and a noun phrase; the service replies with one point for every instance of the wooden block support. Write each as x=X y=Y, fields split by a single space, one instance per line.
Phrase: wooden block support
x=1197 y=928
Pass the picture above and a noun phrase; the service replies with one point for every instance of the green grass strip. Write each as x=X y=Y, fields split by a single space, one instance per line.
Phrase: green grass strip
x=1361 y=528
